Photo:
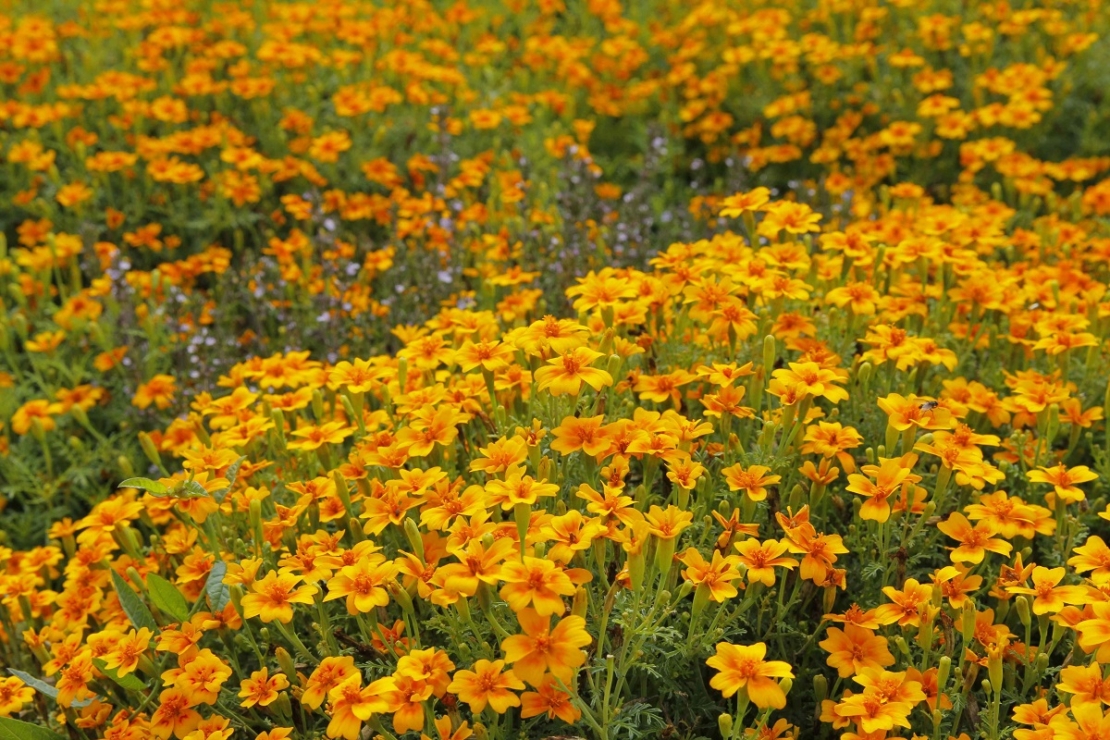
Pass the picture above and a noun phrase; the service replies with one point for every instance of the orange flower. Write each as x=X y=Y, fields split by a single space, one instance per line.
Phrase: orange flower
x=585 y=433
x=351 y=705
x=124 y=658
x=713 y=579
x=175 y=715
x=855 y=649
x=159 y=391
x=565 y=374
x=1049 y=596
x=551 y=700
x=907 y=606
x=974 y=541
x=542 y=649
x=272 y=597
x=743 y=667
x=13 y=695
x=753 y=481
x=810 y=379
x=889 y=478
x=261 y=688
x=488 y=684
x=538 y=582
x=364 y=584
x=761 y=559
x=1064 y=480
x=330 y=673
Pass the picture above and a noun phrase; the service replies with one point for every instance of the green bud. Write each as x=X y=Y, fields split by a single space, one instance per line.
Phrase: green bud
x=285 y=661
x=769 y=353
x=1022 y=608
x=124 y=466
x=416 y=542
x=149 y=448
x=944 y=668
x=580 y=603
x=724 y=725
x=820 y=690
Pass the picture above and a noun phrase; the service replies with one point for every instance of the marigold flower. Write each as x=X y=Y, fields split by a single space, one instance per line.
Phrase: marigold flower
x=537 y=582
x=855 y=649
x=13 y=695
x=975 y=541
x=272 y=597
x=743 y=667
x=1064 y=480
x=261 y=689
x=1049 y=597
x=761 y=559
x=753 y=481
x=543 y=649
x=488 y=684
x=158 y=391
x=565 y=374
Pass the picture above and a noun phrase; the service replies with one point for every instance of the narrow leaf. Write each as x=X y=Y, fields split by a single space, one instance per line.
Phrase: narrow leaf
x=167 y=598
x=232 y=475
x=46 y=689
x=133 y=606
x=192 y=489
x=146 y=484
x=40 y=686
x=130 y=681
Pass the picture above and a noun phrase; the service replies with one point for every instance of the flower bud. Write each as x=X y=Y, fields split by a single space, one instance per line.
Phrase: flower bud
x=768 y=352
x=145 y=441
x=279 y=426
x=254 y=513
x=967 y=624
x=285 y=660
x=820 y=689
x=124 y=465
x=343 y=491
x=944 y=668
x=412 y=534
x=580 y=603
x=1022 y=608
x=724 y=725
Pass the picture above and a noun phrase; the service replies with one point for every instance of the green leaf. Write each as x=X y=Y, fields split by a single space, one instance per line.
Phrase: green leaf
x=13 y=729
x=192 y=489
x=44 y=688
x=152 y=487
x=133 y=606
x=217 y=590
x=130 y=681
x=40 y=686
x=231 y=475
x=167 y=598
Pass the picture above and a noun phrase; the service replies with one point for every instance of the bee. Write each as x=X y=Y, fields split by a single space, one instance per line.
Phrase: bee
x=928 y=405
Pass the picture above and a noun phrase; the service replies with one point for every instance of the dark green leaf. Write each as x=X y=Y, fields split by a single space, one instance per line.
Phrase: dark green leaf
x=218 y=593
x=166 y=597
x=133 y=606
x=13 y=729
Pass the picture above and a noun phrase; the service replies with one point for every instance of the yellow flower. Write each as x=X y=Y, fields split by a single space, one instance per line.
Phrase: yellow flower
x=743 y=667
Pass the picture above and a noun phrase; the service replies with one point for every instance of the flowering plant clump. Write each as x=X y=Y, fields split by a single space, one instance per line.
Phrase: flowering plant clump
x=537 y=370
